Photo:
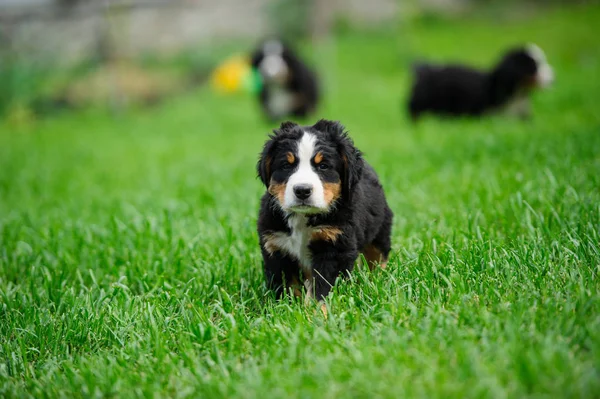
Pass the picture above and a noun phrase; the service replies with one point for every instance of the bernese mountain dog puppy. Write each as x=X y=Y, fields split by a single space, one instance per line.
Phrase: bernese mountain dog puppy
x=289 y=86
x=323 y=207
x=456 y=90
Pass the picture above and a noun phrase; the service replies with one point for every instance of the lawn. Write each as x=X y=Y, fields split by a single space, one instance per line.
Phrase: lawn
x=130 y=267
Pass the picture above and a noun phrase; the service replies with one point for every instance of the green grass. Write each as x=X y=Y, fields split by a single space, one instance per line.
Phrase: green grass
x=129 y=262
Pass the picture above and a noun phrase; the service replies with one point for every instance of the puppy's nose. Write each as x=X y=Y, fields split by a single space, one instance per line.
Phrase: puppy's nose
x=302 y=191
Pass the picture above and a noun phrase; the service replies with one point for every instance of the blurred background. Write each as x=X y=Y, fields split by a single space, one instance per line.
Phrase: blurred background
x=67 y=55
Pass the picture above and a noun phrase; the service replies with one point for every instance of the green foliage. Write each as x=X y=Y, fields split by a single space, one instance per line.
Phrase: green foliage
x=20 y=81
x=129 y=262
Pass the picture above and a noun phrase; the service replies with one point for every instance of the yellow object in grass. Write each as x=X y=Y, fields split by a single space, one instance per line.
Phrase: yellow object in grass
x=232 y=75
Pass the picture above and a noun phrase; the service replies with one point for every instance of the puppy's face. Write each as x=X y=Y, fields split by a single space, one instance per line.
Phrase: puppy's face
x=306 y=169
x=272 y=64
x=544 y=75
x=306 y=174
x=529 y=67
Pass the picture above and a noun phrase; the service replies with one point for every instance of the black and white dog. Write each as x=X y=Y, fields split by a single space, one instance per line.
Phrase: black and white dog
x=289 y=87
x=324 y=205
x=456 y=90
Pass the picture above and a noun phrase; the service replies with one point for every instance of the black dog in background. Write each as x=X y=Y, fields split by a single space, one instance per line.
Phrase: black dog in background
x=290 y=87
x=456 y=90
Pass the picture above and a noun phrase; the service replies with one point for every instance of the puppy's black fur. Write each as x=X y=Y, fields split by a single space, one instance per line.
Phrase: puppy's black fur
x=296 y=93
x=318 y=246
x=457 y=90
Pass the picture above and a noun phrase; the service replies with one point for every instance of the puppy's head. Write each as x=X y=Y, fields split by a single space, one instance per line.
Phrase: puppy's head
x=308 y=169
x=526 y=67
x=271 y=61
x=544 y=74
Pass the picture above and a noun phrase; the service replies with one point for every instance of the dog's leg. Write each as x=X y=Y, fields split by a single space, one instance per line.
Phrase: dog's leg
x=310 y=292
x=309 y=286
x=377 y=252
x=519 y=107
x=328 y=265
x=281 y=273
x=374 y=257
x=293 y=285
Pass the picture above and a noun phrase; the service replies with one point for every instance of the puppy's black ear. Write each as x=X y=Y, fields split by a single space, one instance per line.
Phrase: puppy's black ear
x=353 y=163
x=263 y=167
x=285 y=126
x=330 y=127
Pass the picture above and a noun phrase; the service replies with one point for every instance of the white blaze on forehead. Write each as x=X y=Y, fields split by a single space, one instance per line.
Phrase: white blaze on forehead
x=307 y=148
x=545 y=74
x=305 y=174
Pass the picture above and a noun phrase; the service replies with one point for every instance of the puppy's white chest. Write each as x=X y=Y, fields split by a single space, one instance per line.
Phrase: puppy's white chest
x=296 y=243
x=299 y=240
x=280 y=101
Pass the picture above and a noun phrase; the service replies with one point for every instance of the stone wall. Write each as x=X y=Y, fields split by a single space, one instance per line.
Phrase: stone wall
x=75 y=29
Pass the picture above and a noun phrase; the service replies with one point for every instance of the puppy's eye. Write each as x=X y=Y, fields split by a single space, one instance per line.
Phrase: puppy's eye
x=287 y=166
x=323 y=166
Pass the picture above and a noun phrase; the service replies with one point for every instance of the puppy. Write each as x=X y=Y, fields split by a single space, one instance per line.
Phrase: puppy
x=455 y=90
x=324 y=205
x=289 y=87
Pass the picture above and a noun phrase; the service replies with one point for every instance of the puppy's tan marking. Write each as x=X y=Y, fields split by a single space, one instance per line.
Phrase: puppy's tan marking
x=290 y=158
x=374 y=256
x=318 y=157
x=278 y=191
x=294 y=286
x=270 y=243
x=268 y=160
x=331 y=192
x=325 y=233
x=324 y=310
